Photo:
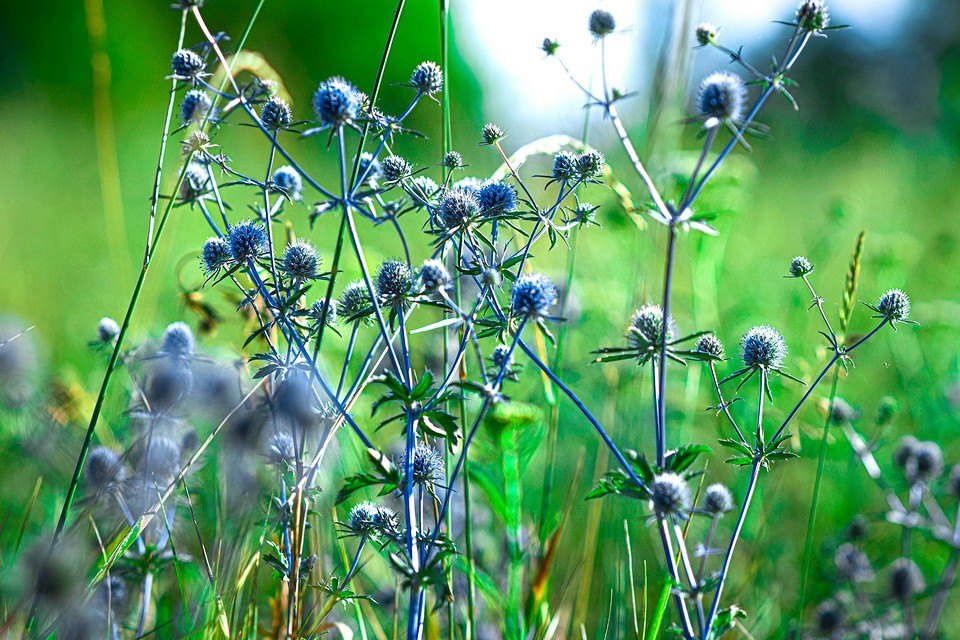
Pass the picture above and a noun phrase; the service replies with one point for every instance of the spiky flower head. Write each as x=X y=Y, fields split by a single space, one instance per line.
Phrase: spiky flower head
x=491 y=133
x=842 y=411
x=196 y=183
x=386 y=520
x=721 y=97
x=216 y=254
x=830 y=617
x=763 y=347
x=187 y=65
x=276 y=113
x=564 y=166
x=361 y=520
x=103 y=469
x=710 y=345
x=497 y=197
x=427 y=465
x=434 y=276
x=107 y=330
x=453 y=160
x=706 y=33
x=395 y=168
x=490 y=277
x=670 y=495
x=395 y=283
x=336 y=102
x=906 y=579
x=925 y=462
x=178 y=341
x=646 y=329
x=321 y=312
x=532 y=296
x=354 y=301
x=457 y=208
x=375 y=171
x=590 y=165
x=894 y=306
x=501 y=356
x=288 y=180
x=281 y=449
x=195 y=106
x=550 y=46
x=300 y=261
x=427 y=78
x=853 y=564
x=601 y=23
x=717 y=500
x=247 y=240
x=800 y=267
x=813 y=15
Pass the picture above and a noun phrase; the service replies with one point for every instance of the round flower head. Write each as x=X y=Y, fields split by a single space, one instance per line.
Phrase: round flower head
x=710 y=345
x=457 y=208
x=289 y=181
x=276 y=113
x=763 y=347
x=601 y=23
x=800 y=267
x=354 y=300
x=247 y=240
x=842 y=411
x=857 y=529
x=187 y=65
x=434 y=276
x=427 y=78
x=195 y=106
x=395 y=283
x=424 y=190
x=905 y=451
x=177 y=341
x=894 y=306
x=853 y=564
x=427 y=465
x=375 y=171
x=196 y=182
x=722 y=96
x=646 y=327
x=906 y=579
x=717 y=500
x=564 y=166
x=300 y=261
x=532 y=296
x=491 y=133
x=361 y=519
x=830 y=617
x=321 y=312
x=386 y=520
x=812 y=15
x=107 y=330
x=706 y=33
x=670 y=495
x=497 y=197
x=501 y=356
x=282 y=449
x=336 y=102
x=453 y=160
x=104 y=468
x=169 y=385
x=590 y=165
x=549 y=46
x=925 y=464
x=216 y=254
x=491 y=277
x=395 y=168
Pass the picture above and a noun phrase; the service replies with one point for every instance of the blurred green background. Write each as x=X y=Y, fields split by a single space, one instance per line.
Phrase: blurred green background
x=874 y=147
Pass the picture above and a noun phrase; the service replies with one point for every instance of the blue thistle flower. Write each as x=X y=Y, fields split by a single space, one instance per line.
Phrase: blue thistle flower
x=355 y=301
x=800 y=267
x=187 y=65
x=336 y=102
x=427 y=78
x=710 y=345
x=497 y=197
x=763 y=347
x=453 y=160
x=646 y=327
x=300 y=261
x=491 y=134
x=216 y=254
x=434 y=276
x=590 y=165
x=395 y=168
x=601 y=23
x=177 y=342
x=247 y=240
x=107 y=330
x=532 y=296
x=104 y=469
x=367 y=160
x=813 y=15
x=457 y=208
x=395 y=283
x=195 y=106
x=564 y=166
x=721 y=98
x=289 y=181
x=276 y=113
x=894 y=305
x=717 y=500
x=670 y=495
x=321 y=312
x=196 y=183
x=501 y=356
x=361 y=519
x=427 y=466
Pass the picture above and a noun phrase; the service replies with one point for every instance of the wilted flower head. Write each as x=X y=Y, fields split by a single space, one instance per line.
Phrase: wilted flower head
x=187 y=65
x=906 y=579
x=177 y=342
x=300 y=261
x=354 y=300
x=670 y=495
x=395 y=168
x=853 y=564
x=107 y=330
x=216 y=254
x=710 y=345
x=812 y=15
x=532 y=296
x=434 y=276
x=601 y=23
x=395 y=283
x=497 y=197
x=453 y=160
x=276 y=113
x=717 y=500
x=289 y=181
x=336 y=102
x=800 y=267
x=590 y=165
x=763 y=347
x=721 y=96
x=457 y=208
x=427 y=78
x=491 y=133
x=195 y=106
x=247 y=240
x=427 y=465
x=893 y=306
x=104 y=468
x=706 y=33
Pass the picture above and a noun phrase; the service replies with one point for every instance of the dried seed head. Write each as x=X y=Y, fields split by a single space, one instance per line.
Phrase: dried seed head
x=722 y=96
x=532 y=296
x=763 y=347
x=670 y=495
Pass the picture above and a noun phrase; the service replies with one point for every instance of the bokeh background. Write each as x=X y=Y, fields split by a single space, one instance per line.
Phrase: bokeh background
x=874 y=146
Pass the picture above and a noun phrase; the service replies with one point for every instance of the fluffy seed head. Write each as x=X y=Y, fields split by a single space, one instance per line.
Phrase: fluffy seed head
x=104 y=468
x=564 y=166
x=706 y=33
x=247 y=240
x=813 y=15
x=669 y=494
x=434 y=276
x=763 y=347
x=717 y=500
x=427 y=78
x=395 y=168
x=289 y=181
x=427 y=465
x=853 y=564
x=195 y=106
x=590 y=165
x=800 y=267
x=453 y=160
x=457 y=208
x=497 y=197
x=361 y=518
x=906 y=579
x=491 y=133
x=216 y=254
x=894 y=305
x=601 y=23
x=300 y=261
x=395 y=283
x=187 y=65
x=276 y=113
x=532 y=296
x=336 y=102
x=354 y=300
x=722 y=96
x=710 y=345
x=107 y=330
x=178 y=341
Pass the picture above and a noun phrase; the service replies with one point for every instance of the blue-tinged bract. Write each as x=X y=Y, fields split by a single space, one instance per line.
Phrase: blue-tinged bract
x=336 y=102
x=395 y=283
x=187 y=65
x=195 y=106
x=395 y=168
x=457 y=208
x=434 y=276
